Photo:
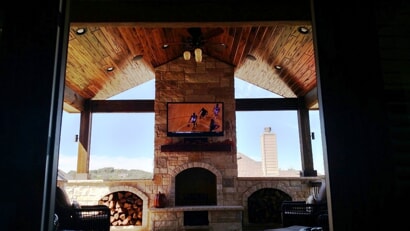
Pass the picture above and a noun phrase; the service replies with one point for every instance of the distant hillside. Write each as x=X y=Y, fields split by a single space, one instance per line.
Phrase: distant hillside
x=110 y=173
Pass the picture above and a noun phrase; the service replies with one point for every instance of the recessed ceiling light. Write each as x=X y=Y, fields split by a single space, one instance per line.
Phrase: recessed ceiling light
x=137 y=57
x=250 y=57
x=80 y=31
x=303 y=30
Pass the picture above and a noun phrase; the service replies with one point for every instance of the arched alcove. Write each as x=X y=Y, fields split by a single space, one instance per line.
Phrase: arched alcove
x=126 y=208
x=195 y=186
x=264 y=206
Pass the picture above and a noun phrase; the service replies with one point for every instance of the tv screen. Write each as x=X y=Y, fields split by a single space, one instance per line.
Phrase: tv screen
x=189 y=119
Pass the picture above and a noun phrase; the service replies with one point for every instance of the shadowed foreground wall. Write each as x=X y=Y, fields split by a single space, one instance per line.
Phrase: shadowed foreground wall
x=363 y=88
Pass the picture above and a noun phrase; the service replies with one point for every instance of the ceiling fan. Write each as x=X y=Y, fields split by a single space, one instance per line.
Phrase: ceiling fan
x=196 y=42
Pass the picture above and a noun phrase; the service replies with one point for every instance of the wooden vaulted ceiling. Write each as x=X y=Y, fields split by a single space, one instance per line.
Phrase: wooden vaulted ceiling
x=273 y=44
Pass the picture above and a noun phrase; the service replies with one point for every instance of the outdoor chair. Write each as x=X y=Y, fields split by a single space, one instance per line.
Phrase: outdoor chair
x=312 y=212
x=73 y=216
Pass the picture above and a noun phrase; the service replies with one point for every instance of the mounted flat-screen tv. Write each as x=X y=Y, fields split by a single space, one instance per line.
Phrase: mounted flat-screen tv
x=195 y=119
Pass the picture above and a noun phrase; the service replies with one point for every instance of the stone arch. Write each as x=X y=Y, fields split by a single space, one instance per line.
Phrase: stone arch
x=266 y=188
x=256 y=187
x=130 y=189
x=138 y=193
x=200 y=165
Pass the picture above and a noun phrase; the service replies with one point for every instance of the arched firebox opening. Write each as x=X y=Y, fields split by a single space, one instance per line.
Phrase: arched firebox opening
x=264 y=206
x=195 y=186
x=126 y=208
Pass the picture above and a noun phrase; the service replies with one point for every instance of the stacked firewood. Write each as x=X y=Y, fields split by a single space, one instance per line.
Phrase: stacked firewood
x=126 y=208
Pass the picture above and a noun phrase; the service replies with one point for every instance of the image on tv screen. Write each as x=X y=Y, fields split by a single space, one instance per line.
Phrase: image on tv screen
x=195 y=119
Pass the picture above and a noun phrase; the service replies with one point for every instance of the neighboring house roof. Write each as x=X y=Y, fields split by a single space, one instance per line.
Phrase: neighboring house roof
x=248 y=167
x=62 y=176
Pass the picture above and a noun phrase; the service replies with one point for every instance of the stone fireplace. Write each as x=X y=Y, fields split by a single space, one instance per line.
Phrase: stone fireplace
x=199 y=182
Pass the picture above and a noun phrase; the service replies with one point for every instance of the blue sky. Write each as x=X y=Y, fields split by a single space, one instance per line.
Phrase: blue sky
x=126 y=140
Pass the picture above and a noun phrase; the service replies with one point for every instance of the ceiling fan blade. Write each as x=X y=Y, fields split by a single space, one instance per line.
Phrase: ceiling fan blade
x=195 y=32
x=197 y=38
x=213 y=33
x=166 y=45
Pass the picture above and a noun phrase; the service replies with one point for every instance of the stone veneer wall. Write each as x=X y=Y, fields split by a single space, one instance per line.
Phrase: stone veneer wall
x=189 y=81
x=89 y=192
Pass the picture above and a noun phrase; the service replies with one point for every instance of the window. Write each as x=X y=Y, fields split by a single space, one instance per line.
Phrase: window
x=118 y=140
x=68 y=152
x=122 y=141
x=316 y=140
x=282 y=157
x=125 y=140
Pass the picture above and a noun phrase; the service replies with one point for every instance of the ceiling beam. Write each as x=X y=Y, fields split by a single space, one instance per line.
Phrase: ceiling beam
x=119 y=106
x=262 y=104
x=311 y=98
x=267 y=104
x=185 y=11
x=73 y=102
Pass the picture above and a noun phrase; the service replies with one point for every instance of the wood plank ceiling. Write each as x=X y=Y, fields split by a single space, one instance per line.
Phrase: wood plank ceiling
x=276 y=56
